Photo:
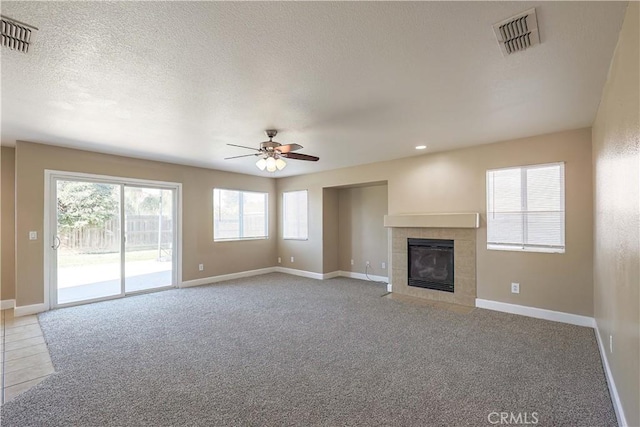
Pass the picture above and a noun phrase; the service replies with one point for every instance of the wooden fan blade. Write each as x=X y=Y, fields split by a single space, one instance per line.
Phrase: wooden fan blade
x=244 y=155
x=300 y=156
x=242 y=146
x=288 y=148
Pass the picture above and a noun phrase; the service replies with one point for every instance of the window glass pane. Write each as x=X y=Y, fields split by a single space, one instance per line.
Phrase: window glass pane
x=254 y=215
x=239 y=215
x=504 y=223
x=505 y=228
x=544 y=186
x=545 y=228
x=295 y=215
x=226 y=214
x=545 y=205
x=506 y=190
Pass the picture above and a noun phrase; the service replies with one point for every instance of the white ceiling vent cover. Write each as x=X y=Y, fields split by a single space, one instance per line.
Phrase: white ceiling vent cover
x=518 y=32
x=16 y=35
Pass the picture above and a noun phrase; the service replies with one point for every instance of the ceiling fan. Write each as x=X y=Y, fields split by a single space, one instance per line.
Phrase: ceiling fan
x=272 y=153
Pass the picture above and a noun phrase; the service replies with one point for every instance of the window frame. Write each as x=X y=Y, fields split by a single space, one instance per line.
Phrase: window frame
x=240 y=215
x=284 y=215
x=528 y=247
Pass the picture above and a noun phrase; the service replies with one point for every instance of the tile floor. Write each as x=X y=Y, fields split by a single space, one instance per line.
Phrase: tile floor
x=460 y=309
x=24 y=355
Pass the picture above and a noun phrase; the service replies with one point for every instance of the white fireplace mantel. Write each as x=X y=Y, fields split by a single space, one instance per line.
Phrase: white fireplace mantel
x=433 y=220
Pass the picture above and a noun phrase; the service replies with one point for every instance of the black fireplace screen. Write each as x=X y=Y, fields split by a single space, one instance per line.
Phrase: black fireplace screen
x=431 y=264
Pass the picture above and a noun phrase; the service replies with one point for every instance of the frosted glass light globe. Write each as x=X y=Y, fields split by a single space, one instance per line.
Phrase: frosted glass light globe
x=261 y=164
x=271 y=164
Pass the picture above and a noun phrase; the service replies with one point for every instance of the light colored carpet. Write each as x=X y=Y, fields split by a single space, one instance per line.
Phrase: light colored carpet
x=283 y=350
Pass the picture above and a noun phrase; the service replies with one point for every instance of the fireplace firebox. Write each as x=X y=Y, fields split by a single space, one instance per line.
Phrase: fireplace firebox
x=430 y=264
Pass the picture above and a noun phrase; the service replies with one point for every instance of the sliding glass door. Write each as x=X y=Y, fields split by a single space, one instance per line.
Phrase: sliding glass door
x=87 y=241
x=110 y=238
x=149 y=239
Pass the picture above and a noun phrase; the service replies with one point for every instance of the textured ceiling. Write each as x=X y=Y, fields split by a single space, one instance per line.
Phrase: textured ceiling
x=353 y=82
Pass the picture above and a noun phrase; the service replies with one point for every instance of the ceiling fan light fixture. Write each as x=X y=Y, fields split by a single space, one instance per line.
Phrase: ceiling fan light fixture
x=261 y=164
x=280 y=164
x=271 y=164
x=271 y=154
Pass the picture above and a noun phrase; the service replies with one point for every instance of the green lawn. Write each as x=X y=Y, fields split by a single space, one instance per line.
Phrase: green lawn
x=71 y=260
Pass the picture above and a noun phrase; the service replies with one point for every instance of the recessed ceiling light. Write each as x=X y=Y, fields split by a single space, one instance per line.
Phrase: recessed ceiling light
x=420 y=147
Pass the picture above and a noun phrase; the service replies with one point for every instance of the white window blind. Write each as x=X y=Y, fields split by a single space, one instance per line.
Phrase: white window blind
x=295 y=218
x=525 y=208
x=239 y=215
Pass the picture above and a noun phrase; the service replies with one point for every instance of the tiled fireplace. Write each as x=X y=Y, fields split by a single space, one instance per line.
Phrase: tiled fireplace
x=463 y=237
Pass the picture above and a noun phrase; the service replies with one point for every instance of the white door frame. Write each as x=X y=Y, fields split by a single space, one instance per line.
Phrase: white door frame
x=51 y=222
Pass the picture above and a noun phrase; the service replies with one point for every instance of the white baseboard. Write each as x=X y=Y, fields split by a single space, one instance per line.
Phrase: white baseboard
x=7 y=303
x=26 y=310
x=302 y=273
x=223 y=277
x=363 y=276
x=331 y=275
x=539 y=313
x=615 y=397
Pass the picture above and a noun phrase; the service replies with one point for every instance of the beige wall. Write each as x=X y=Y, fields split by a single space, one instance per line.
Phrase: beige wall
x=454 y=181
x=197 y=221
x=362 y=236
x=616 y=162
x=7 y=204
x=330 y=229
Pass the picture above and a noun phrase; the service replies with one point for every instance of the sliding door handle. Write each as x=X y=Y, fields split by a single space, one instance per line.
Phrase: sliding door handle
x=56 y=243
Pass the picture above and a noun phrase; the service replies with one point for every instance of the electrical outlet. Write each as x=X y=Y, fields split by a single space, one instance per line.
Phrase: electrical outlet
x=33 y=235
x=515 y=288
x=368 y=264
x=610 y=343
x=279 y=260
x=383 y=265
x=352 y=263
x=201 y=267
x=291 y=259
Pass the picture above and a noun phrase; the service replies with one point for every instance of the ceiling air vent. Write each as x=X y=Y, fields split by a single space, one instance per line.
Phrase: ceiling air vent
x=518 y=32
x=16 y=35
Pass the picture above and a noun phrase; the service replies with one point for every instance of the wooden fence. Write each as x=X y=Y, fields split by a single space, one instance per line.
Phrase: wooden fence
x=141 y=233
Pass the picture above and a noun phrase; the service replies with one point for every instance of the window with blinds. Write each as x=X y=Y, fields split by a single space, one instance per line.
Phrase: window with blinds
x=525 y=208
x=295 y=210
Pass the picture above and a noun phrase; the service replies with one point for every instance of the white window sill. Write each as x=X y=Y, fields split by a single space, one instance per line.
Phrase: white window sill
x=242 y=239
x=549 y=250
